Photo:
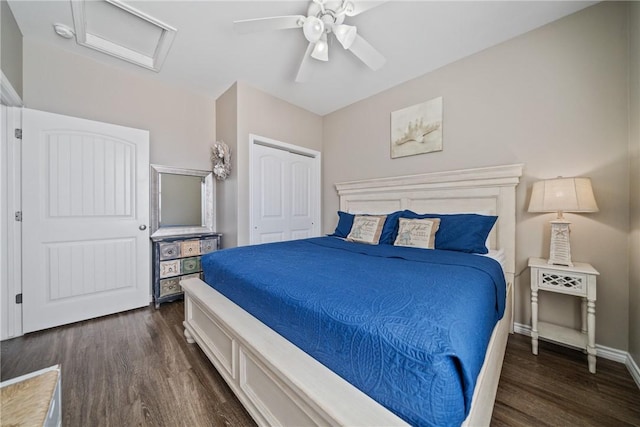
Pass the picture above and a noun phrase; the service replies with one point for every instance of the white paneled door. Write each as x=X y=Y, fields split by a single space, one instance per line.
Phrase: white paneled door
x=285 y=195
x=85 y=212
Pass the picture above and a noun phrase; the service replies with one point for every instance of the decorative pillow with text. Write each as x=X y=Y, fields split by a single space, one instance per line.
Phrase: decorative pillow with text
x=417 y=233
x=367 y=229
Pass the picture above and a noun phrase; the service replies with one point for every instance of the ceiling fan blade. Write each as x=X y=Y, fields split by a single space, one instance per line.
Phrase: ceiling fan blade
x=304 y=71
x=355 y=7
x=265 y=24
x=367 y=53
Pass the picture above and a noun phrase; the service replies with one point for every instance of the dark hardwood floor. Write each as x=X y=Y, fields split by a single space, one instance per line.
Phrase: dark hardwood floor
x=135 y=368
x=555 y=388
x=129 y=369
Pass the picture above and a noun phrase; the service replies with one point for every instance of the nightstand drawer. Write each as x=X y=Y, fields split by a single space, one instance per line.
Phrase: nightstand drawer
x=560 y=281
x=169 y=250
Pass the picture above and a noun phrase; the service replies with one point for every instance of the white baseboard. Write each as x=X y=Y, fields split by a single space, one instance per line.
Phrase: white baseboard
x=608 y=353
x=632 y=366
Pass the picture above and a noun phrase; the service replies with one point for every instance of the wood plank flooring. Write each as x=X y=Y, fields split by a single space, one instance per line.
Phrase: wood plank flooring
x=135 y=368
x=555 y=388
x=129 y=369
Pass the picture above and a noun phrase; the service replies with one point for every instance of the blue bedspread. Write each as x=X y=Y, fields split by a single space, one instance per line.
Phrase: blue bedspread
x=408 y=327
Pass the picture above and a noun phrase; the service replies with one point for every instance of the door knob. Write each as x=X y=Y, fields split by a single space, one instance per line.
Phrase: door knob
x=143 y=227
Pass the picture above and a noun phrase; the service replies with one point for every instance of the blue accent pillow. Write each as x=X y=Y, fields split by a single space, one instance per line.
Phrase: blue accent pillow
x=460 y=232
x=389 y=230
x=345 y=222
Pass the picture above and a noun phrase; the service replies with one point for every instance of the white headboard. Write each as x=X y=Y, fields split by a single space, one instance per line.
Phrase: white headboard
x=490 y=190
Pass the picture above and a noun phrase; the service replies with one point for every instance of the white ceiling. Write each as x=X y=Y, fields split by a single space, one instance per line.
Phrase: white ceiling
x=207 y=56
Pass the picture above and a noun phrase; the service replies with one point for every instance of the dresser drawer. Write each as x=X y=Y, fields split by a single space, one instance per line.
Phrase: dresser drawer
x=170 y=286
x=191 y=276
x=169 y=250
x=190 y=248
x=208 y=245
x=169 y=268
x=190 y=265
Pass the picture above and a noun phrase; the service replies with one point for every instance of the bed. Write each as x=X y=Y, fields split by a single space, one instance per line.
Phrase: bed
x=280 y=384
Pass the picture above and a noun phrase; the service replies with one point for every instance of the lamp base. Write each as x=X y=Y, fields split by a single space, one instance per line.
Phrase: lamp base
x=560 y=249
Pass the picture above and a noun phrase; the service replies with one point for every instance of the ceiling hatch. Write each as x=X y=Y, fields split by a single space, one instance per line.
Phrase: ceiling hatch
x=117 y=29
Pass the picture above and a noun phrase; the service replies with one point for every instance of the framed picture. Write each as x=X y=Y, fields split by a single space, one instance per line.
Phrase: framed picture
x=417 y=129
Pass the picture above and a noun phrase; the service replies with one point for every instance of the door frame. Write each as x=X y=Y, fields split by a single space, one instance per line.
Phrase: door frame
x=10 y=191
x=284 y=146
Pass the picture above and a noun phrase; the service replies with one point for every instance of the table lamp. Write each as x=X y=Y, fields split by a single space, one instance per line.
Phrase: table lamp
x=562 y=195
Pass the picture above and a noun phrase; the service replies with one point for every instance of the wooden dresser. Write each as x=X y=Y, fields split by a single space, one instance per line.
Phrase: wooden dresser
x=176 y=258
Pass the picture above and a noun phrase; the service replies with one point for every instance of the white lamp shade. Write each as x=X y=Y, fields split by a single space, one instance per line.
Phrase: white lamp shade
x=563 y=195
x=321 y=49
x=313 y=28
x=345 y=34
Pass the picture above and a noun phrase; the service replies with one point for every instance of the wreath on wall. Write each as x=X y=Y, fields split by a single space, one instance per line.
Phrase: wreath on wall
x=221 y=159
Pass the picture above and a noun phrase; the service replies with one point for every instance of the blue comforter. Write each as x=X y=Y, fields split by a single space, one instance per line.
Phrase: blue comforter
x=408 y=327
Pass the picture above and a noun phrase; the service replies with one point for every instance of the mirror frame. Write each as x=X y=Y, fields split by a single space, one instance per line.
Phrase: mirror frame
x=207 y=202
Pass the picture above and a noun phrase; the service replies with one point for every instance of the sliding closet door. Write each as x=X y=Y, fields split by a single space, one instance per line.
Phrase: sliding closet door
x=85 y=200
x=284 y=196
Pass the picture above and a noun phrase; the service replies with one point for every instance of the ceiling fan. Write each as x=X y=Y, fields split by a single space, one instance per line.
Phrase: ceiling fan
x=323 y=18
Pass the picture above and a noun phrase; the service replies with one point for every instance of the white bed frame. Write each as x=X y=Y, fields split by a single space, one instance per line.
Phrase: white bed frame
x=279 y=384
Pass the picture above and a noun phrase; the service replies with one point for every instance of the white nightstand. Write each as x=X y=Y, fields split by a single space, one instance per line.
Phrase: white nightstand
x=579 y=281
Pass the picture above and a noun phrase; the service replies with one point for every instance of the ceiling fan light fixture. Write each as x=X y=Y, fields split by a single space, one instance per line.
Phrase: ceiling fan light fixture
x=348 y=7
x=321 y=49
x=345 y=34
x=323 y=17
x=313 y=28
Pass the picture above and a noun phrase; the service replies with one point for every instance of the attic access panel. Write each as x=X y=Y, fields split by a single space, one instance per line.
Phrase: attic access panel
x=119 y=30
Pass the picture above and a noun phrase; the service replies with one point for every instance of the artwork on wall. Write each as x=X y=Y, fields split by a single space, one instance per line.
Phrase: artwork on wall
x=221 y=159
x=417 y=129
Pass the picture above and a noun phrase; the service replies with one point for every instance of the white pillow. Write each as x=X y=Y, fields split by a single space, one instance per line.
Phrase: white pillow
x=417 y=233
x=367 y=229
x=498 y=255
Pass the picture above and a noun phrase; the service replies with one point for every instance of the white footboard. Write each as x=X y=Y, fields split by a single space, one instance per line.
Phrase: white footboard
x=279 y=384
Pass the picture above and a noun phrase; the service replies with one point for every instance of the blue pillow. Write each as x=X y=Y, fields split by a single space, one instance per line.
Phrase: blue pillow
x=345 y=222
x=389 y=230
x=460 y=232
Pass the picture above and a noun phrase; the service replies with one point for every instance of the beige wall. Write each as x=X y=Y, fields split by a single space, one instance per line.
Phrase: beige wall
x=227 y=190
x=634 y=151
x=260 y=114
x=554 y=99
x=10 y=47
x=181 y=123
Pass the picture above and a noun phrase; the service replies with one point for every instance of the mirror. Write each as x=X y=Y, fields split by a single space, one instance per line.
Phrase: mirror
x=184 y=193
x=181 y=201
